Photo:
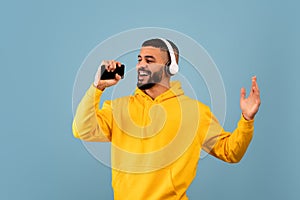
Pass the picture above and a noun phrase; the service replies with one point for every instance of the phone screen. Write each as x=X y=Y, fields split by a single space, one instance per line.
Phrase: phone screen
x=111 y=75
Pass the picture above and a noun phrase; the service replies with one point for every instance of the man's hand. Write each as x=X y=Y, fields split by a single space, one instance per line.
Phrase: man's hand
x=110 y=66
x=250 y=105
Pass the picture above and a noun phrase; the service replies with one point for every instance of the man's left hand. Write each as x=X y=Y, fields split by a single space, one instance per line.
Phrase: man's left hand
x=250 y=105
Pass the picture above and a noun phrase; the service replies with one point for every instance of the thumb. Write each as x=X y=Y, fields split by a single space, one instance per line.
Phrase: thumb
x=112 y=82
x=243 y=93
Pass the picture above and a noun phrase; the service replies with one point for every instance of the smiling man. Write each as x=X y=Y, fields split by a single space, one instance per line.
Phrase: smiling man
x=157 y=134
x=151 y=65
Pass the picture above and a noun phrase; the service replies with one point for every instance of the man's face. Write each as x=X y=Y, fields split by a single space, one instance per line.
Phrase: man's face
x=150 y=67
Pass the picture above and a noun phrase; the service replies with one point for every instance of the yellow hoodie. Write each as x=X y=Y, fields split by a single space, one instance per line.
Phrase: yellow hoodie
x=156 y=143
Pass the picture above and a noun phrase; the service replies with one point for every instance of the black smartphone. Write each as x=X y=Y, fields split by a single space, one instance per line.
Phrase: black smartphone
x=111 y=75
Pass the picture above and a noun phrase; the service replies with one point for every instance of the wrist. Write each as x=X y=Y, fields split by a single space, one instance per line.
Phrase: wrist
x=101 y=85
x=248 y=118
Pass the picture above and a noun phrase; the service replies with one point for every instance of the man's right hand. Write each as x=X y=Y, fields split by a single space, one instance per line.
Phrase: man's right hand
x=110 y=65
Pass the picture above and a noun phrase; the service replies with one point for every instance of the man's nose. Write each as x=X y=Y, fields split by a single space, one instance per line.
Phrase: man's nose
x=140 y=64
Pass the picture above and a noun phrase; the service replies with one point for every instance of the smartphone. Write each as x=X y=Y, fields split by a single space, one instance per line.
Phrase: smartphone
x=111 y=75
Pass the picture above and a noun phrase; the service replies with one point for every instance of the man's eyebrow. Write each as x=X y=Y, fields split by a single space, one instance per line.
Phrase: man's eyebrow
x=151 y=57
x=147 y=57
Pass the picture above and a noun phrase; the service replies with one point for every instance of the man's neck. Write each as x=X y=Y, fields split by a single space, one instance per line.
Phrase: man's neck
x=157 y=89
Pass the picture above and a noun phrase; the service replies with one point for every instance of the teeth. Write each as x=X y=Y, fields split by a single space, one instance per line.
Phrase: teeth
x=143 y=73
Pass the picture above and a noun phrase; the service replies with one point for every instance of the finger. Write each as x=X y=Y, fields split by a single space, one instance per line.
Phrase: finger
x=243 y=93
x=254 y=81
x=112 y=82
x=253 y=85
x=115 y=64
x=118 y=64
x=118 y=77
x=112 y=65
x=109 y=66
x=256 y=86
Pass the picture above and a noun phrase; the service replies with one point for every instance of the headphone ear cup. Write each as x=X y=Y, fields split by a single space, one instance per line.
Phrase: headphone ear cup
x=173 y=69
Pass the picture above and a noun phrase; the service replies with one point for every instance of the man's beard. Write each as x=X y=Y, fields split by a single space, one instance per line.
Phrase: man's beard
x=145 y=86
x=154 y=78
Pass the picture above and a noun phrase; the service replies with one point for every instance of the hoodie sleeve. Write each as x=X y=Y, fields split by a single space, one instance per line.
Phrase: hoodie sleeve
x=229 y=147
x=90 y=123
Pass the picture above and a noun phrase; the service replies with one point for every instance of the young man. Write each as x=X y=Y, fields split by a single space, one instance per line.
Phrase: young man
x=157 y=133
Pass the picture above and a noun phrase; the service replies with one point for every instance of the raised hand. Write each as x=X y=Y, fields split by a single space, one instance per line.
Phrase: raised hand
x=250 y=105
x=110 y=65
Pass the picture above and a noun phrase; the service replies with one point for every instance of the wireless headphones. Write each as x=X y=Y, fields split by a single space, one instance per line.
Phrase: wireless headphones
x=172 y=68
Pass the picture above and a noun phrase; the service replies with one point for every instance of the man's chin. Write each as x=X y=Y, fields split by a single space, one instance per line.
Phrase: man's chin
x=145 y=86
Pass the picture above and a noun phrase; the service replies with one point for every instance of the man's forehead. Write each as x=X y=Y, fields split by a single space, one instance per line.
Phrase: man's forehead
x=151 y=50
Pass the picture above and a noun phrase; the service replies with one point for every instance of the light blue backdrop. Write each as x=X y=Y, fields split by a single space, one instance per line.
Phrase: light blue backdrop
x=43 y=43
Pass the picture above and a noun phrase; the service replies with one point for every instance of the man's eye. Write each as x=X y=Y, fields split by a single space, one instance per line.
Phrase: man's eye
x=149 y=61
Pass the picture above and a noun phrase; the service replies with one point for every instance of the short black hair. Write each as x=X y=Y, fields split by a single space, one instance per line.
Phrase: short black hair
x=158 y=43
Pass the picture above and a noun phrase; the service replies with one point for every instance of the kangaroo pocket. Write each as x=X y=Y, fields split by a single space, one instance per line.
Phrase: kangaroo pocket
x=146 y=186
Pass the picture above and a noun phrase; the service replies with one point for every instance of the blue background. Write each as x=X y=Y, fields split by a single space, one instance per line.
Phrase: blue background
x=43 y=43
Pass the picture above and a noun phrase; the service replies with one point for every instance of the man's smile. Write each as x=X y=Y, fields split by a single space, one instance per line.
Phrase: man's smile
x=142 y=73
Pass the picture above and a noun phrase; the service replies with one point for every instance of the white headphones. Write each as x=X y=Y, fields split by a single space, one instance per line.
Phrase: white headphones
x=172 y=68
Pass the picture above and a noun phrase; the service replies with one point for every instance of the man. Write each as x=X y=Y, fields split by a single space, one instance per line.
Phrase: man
x=157 y=133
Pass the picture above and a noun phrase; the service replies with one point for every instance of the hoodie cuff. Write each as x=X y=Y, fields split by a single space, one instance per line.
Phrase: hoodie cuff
x=247 y=124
